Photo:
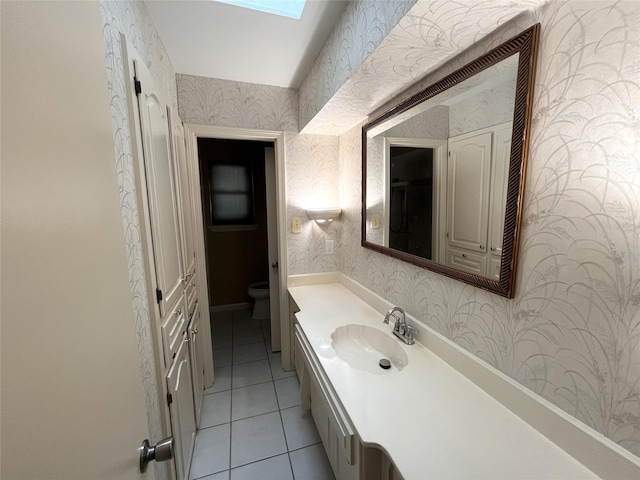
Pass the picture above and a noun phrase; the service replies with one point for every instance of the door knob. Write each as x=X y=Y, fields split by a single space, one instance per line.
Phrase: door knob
x=161 y=452
x=274 y=265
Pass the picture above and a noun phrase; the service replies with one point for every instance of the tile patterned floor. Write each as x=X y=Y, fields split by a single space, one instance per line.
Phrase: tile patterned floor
x=252 y=426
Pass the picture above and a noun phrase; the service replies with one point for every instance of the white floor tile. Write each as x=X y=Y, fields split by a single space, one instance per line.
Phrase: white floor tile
x=256 y=438
x=249 y=353
x=311 y=463
x=221 y=340
x=211 y=451
x=216 y=409
x=276 y=368
x=288 y=391
x=222 y=357
x=251 y=373
x=299 y=429
x=221 y=317
x=243 y=314
x=217 y=476
x=274 y=468
x=253 y=400
x=247 y=336
x=221 y=381
x=221 y=328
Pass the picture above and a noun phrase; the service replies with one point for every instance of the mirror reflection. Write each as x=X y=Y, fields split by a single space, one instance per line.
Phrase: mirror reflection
x=436 y=174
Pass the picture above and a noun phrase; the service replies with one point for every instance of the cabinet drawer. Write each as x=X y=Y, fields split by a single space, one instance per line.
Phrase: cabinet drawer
x=172 y=328
x=467 y=261
x=339 y=431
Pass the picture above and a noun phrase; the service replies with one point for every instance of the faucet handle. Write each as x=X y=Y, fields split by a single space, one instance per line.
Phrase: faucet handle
x=410 y=331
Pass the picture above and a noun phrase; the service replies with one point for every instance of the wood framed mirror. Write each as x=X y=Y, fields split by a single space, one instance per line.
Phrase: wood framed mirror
x=443 y=171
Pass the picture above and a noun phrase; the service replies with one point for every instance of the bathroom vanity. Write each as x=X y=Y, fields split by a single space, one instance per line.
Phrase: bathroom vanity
x=424 y=419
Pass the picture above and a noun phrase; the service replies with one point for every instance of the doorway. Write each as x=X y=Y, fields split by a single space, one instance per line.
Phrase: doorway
x=234 y=210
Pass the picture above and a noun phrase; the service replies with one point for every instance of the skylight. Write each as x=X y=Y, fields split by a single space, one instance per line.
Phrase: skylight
x=284 y=8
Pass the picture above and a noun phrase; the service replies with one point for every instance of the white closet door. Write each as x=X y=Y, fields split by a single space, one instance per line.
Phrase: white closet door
x=185 y=197
x=197 y=366
x=183 y=420
x=162 y=190
x=468 y=191
x=499 y=178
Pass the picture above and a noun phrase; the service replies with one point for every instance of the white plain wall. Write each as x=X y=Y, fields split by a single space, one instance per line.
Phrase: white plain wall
x=72 y=404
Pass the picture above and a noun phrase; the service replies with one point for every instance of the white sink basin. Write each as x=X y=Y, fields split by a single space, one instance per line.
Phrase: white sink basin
x=363 y=347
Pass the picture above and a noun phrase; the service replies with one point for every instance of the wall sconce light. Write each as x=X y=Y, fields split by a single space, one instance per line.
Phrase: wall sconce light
x=324 y=215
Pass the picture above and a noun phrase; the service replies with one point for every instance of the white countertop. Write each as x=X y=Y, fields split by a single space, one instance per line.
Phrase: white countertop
x=432 y=421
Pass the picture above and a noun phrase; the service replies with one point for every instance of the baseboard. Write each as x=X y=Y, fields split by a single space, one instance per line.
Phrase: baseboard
x=231 y=306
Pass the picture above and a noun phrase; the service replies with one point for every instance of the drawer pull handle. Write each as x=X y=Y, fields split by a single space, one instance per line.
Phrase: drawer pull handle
x=464 y=255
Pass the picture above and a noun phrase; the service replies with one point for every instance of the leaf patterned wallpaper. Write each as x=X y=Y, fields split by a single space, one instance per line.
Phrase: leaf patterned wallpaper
x=430 y=33
x=311 y=169
x=572 y=332
x=132 y=19
x=360 y=29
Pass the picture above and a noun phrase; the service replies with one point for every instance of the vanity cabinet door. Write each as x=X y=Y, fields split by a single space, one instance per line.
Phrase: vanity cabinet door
x=183 y=423
x=334 y=426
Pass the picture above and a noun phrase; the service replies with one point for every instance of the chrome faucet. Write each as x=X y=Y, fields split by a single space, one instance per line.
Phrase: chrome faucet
x=401 y=328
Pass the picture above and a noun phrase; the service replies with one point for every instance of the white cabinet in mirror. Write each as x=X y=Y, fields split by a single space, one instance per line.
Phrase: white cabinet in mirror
x=441 y=175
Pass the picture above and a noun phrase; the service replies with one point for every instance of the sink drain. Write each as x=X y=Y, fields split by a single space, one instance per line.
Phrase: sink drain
x=384 y=363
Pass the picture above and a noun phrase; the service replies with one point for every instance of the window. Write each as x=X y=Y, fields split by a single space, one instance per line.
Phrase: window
x=231 y=194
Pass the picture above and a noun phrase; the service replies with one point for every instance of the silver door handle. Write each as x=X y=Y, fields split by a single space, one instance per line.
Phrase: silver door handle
x=161 y=452
x=274 y=265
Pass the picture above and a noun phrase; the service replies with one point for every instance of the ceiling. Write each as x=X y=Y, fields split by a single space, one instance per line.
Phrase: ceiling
x=216 y=40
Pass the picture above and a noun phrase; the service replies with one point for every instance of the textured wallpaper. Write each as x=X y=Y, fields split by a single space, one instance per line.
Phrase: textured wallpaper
x=486 y=109
x=210 y=101
x=432 y=32
x=311 y=161
x=131 y=18
x=572 y=332
x=360 y=29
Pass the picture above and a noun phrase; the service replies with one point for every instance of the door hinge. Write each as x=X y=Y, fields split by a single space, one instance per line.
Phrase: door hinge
x=447 y=234
x=158 y=295
x=169 y=399
x=137 y=86
x=449 y=152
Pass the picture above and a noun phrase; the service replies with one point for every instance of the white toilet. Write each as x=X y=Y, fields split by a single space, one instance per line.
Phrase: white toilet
x=260 y=293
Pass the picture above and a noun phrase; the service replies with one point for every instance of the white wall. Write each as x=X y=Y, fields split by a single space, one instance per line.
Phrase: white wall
x=72 y=402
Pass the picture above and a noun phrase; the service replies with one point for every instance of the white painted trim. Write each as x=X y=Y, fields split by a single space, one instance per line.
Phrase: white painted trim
x=201 y=258
x=439 y=207
x=208 y=131
x=229 y=307
x=589 y=447
x=229 y=133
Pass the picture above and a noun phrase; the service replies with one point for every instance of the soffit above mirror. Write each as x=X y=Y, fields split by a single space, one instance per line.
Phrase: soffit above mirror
x=430 y=34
